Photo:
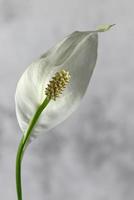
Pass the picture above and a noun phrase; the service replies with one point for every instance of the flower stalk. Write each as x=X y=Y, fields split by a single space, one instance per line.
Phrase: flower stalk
x=23 y=143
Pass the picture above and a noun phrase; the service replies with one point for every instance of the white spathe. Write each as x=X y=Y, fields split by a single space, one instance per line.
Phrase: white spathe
x=77 y=53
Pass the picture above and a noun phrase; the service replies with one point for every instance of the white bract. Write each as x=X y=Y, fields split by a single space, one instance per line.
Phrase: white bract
x=77 y=53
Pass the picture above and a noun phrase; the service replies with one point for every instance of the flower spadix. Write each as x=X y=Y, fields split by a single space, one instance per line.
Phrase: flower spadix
x=74 y=56
x=57 y=84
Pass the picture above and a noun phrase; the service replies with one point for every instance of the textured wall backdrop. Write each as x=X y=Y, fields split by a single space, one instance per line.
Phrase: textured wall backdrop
x=91 y=155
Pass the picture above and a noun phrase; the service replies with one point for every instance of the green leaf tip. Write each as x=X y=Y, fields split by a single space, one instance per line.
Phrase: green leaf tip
x=105 y=27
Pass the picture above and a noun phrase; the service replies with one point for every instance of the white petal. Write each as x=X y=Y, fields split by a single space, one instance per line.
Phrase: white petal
x=77 y=53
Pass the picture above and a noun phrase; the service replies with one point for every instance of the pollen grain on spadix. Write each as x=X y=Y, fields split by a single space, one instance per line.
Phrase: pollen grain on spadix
x=57 y=84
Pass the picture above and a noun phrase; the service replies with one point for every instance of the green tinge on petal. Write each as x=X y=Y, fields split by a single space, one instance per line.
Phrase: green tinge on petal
x=105 y=27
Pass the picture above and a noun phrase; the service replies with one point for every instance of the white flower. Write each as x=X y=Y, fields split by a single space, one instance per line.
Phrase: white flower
x=77 y=54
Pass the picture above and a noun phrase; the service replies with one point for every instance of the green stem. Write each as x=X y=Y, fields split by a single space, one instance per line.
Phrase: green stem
x=23 y=144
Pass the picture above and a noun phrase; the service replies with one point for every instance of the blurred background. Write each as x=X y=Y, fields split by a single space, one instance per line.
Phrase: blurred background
x=91 y=155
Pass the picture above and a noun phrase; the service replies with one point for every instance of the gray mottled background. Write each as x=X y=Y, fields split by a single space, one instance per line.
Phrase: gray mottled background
x=91 y=155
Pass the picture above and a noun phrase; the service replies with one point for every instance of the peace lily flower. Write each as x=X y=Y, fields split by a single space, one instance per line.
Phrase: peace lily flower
x=52 y=87
x=77 y=54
